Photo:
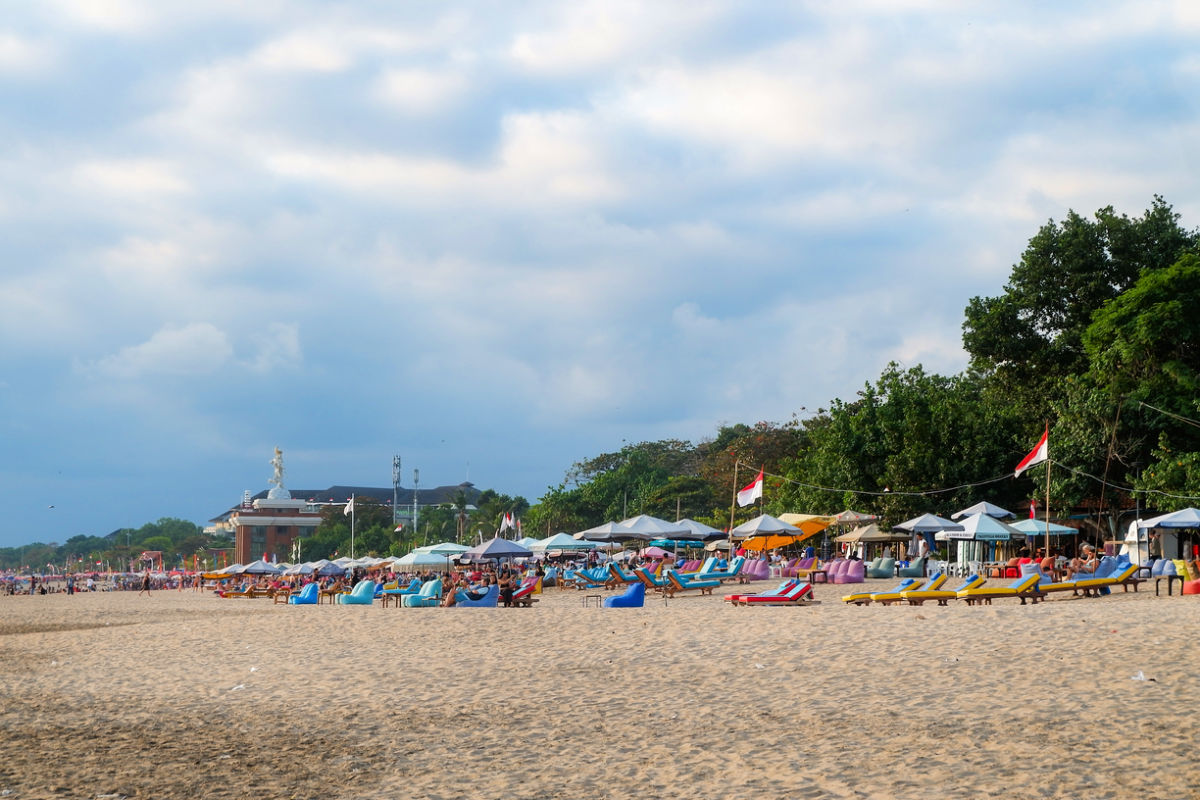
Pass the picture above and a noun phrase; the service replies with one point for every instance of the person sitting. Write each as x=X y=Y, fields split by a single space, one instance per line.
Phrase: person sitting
x=1085 y=564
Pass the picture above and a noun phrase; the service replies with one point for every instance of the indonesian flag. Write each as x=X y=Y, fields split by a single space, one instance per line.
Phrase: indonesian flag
x=398 y=528
x=507 y=522
x=1033 y=509
x=1037 y=455
x=752 y=492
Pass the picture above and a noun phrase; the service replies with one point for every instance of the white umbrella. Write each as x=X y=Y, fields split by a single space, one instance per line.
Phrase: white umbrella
x=443 y=549
x=612 y=532
x=419 y=560
x=985 y=507
x=762 y=525
x=562 y=541
x=698 y=530
x=654 y=527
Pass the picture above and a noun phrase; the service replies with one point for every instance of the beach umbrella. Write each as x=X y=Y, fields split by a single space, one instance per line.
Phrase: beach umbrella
x=983 y=528
x=698 y=530
x=563 y=541
x=762 y=525
x=613 y=532
x=1035 y=527
x=811 y=524
x=927 y=523
x=495 y=550
x=1183 y=518
x=652 y=527
x=260 y=567
x=855 y=518
x=986 y=508
x=419 y=560
x=656 y=552
x=442 y=549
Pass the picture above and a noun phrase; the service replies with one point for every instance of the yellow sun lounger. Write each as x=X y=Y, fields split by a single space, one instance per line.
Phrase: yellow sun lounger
x=932 y=584
x=1026 y=587
x=865 y=598
x=1089 y=586
x=916 y=597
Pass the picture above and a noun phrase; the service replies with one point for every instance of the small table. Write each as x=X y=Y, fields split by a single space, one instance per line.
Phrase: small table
x=812 y=576
x=1170 y=579
x=588 y=598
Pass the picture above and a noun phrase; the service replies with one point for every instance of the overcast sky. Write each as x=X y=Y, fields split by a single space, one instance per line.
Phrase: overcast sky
x=498 y=238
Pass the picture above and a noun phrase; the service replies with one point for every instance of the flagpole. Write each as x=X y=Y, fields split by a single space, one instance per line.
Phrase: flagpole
x=352 y=526
x=732 y=508
x=1048 y=462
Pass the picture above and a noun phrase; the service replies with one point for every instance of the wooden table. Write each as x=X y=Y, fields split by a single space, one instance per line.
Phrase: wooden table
x=1170 y=579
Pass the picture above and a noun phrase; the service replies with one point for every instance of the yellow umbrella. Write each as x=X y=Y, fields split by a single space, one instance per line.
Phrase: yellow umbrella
x=811 y=524
x=769 y=541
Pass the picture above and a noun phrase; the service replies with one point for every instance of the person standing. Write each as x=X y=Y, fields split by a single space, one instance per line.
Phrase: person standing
x=145 y=584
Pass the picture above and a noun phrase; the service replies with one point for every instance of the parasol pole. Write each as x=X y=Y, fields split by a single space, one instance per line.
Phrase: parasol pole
x=732 y=508
x=1048 y=462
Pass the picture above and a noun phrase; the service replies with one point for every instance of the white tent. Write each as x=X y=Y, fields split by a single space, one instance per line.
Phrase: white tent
x=419 y=560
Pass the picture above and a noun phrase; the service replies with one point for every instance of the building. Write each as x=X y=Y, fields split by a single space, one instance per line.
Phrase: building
x=267 y=527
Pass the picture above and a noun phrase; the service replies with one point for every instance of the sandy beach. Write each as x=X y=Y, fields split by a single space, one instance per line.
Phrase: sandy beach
x=190 y=695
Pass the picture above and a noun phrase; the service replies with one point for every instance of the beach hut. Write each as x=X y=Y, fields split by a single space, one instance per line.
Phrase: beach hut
x=1171 y=544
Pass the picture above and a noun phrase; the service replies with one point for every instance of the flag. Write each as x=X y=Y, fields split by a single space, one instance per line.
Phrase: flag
x=752 y=492
x=507 y=522
x=349 y=509
x=398 y=529
x=1037 y=455
x=1033 y=509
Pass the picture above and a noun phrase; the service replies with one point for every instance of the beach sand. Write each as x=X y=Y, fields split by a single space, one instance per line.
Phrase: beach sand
x=190 y=695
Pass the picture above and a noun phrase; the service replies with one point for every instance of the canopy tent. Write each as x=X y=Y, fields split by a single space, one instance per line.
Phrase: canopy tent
x=927 y=523
x=496 y=549
x=980 y=527
x=989 y=509
x=856 y=518
x=698 y=530
x=530 y=541
x=870 y=533
x=562 y=541
x=1171 y=544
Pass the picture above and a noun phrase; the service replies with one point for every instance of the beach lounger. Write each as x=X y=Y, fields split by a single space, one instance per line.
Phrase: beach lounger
x=735 y=569
x=523 y=596
x=633 y=597
x=933 y=584
x=363 y=594
x=489 y=599
x=430 y=595
x=306 y=596
x=649 y=579
x=778 y=590
x=388 y=595
x=799 y=594
x=1094 y=585
x=677 y=583
x=916 y=597
x=618 y=576
x=1023 y=588
x=865 y=598
x=587 y=579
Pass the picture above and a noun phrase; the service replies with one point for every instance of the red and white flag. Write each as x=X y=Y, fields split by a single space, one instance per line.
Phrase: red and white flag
x=752 y=492
x=507 y=522
x=1037 y=455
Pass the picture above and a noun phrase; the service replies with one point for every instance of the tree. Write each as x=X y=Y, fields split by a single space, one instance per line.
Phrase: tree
x=1068 y=271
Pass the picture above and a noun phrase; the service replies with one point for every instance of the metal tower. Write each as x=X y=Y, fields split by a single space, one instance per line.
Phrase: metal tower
x=395 y=490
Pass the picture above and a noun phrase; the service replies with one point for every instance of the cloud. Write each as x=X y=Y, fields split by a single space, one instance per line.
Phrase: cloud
x=195 y=350
x=22 y=56
x=418 y=91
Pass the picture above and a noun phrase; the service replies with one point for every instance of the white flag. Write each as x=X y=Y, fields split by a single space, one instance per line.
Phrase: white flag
x=349 y=509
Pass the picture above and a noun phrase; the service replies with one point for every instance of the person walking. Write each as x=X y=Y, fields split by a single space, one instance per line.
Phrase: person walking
x=145 y=584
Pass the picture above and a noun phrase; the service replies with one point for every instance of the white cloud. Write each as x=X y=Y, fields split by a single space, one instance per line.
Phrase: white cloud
x=277 y=348
x=197 y=349
x=133 y=178
x=418 y=91
x=20 y=56
x=303 y=51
